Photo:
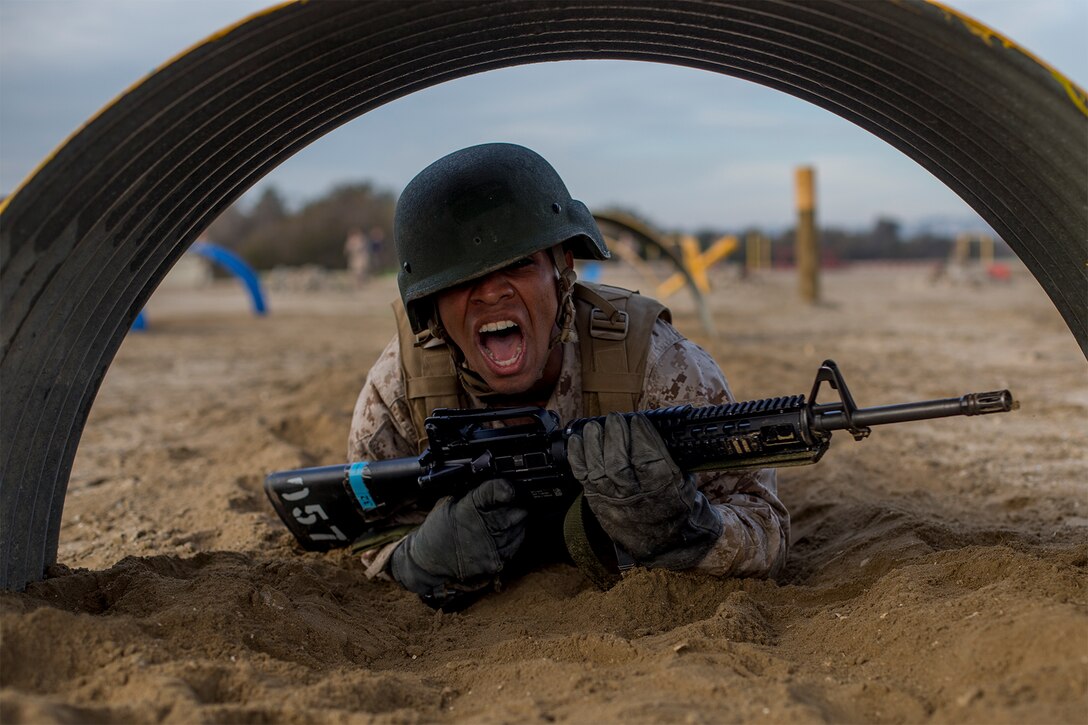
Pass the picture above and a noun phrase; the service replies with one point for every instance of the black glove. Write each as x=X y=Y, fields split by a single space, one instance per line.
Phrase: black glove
x=638 y=493
x=461 y=545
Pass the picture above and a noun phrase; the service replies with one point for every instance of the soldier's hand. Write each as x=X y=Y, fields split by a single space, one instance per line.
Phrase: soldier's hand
x=462 y=544
x=640 y=496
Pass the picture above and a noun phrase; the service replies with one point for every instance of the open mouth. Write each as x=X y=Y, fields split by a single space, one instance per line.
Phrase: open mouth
x=502 y=343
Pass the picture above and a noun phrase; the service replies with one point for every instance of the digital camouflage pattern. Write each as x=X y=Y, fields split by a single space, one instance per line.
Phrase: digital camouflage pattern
x=755 y=537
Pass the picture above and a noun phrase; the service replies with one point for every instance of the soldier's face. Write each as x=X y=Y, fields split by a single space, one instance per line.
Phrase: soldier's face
x=504 y=321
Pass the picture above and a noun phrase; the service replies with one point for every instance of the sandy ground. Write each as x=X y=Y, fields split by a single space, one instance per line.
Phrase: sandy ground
x=937 y=571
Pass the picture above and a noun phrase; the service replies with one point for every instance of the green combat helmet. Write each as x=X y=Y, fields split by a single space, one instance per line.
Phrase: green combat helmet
x=478 y=210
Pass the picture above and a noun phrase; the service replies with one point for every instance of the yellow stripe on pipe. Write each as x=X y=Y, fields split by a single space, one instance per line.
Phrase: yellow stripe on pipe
x=987 y=35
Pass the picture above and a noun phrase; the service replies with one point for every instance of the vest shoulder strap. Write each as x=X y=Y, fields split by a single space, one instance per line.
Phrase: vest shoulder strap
x=614 y=331
x=615 y=327
x=429 y=377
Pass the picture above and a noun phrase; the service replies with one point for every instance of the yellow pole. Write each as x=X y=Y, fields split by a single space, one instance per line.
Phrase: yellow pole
x=807 y=245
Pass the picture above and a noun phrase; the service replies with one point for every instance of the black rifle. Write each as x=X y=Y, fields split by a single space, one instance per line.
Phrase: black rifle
x=331 y=506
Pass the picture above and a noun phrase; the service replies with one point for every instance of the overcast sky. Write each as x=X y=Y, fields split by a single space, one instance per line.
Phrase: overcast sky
x=688 y=149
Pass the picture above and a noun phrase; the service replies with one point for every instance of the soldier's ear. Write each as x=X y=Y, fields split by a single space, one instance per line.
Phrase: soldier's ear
x=569 y=255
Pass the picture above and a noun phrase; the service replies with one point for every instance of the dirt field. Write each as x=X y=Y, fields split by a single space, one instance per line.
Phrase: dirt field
x=937 y=571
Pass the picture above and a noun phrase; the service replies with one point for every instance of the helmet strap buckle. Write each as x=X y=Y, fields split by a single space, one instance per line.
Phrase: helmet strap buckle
x=608 y=327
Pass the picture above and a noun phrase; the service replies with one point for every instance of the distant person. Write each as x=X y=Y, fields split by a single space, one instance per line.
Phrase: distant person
x=357 y=252
x=492 y=317
x=377 y=243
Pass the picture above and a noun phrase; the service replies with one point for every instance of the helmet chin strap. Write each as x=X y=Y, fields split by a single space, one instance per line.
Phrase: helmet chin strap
x=470 y=379
x=565 y=276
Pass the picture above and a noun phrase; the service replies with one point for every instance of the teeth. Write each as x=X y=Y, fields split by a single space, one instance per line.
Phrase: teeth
x=497 y=326
x=505 y=363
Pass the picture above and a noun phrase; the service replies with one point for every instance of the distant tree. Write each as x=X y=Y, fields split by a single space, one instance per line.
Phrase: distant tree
x=929 y=246
x=885 y=238
x=269 y=209
x=883 y=241
x=230 y=228
x=316 y=233
x=270 y=234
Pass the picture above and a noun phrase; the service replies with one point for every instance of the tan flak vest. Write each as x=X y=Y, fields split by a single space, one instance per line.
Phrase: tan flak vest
x=613 y=325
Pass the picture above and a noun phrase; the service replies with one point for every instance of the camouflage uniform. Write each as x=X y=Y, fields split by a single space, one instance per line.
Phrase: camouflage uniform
x=755 y=535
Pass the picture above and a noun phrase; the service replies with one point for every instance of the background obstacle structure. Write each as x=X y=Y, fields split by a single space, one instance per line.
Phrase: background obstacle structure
x=234 y=264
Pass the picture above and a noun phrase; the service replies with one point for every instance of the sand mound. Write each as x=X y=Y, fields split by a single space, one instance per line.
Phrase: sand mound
x=937 y=570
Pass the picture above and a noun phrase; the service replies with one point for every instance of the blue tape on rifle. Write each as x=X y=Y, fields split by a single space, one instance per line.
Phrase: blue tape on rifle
x=358 y=486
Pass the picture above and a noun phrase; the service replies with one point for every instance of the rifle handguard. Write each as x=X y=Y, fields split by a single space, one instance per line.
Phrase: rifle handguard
x=331 y=506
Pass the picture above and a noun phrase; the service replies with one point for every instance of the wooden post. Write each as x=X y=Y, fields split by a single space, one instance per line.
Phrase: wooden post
x=753 y=257
x=757 y=252
x=807 y=248
x=986 y=249
x=962 y=251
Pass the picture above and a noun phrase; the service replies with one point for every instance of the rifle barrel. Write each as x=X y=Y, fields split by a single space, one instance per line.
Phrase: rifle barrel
x=997 y=401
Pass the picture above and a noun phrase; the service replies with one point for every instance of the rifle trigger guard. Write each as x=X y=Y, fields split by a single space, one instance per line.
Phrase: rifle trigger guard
x=483 y=464
x=829 y=372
